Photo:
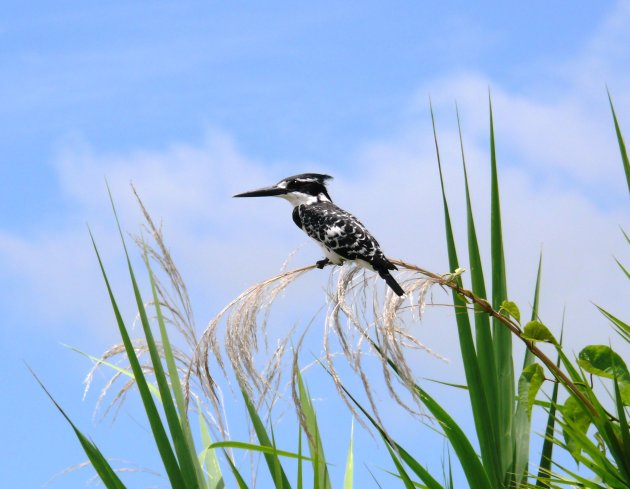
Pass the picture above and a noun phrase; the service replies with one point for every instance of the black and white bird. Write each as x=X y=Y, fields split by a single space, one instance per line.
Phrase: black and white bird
x=339 y=233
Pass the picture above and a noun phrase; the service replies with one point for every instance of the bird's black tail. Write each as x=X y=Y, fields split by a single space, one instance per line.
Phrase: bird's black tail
x=391 y=281
x=382 y=265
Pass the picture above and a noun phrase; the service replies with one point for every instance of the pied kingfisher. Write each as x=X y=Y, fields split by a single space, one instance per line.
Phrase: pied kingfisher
x=339 y=233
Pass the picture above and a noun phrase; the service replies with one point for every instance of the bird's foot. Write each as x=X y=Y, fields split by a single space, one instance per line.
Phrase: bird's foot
x=322 y=263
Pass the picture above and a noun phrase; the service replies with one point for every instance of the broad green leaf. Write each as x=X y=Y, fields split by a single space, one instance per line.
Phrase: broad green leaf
x=602 y=361
x=537 y=331
x=512 y=309
x=576 y=416
x=529 y=383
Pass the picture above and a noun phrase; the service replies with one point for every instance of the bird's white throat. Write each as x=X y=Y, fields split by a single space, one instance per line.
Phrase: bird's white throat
x=299 y=198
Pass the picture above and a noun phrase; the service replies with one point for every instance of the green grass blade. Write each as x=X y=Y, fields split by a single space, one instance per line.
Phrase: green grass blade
x=237 y=475
x=157 y=428
x=299 y=462
x=623 y=268
x=623 y=457
x=166 y=345
x=209 y=457
x=484 y=420
x=482 y=322
x=98 y=461
x=185 y=454
x=529 y=356
x=546 y=456
x=180 y=428
x=529 y=383
x=320 y=470
x=348 y=475
x=620 y=141
x=501 y=335
x=623 y=329
x=273 y=462
x=522 y=417
x=483 y=335
x=267 y=450
x=473 y=468
x=401 y=470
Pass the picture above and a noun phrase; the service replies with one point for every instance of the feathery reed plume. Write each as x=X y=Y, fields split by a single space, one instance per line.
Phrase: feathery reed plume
x=178 y=314
x=356 y=313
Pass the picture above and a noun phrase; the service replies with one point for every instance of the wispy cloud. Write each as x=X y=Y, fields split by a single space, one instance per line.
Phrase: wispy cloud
x=560 y=185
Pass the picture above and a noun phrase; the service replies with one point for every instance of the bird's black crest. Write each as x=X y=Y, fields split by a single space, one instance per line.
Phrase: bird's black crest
x=309 y=183
x=310 y=177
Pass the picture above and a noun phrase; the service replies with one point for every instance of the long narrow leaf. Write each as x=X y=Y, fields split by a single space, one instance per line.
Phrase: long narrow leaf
x=320 y=470
x=237 y=475
x=473 y=469
x=522 y=417
x=180 y=428
x=273 y=462
x=483 y=336
x=484 y=420
x=100 y=464
x=187 y=461
x=267 y=450
x=159 y=433
x=209 y=457
x=622 y=328
x=547 y=449
x=502 y=337
x=622 y=144
x=348 y=475
x=401 y=470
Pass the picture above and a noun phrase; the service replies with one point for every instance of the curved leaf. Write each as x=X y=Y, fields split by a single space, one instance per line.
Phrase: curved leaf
x=577 y=420
x=601 y=360
x=537 y=331
x=512 y=309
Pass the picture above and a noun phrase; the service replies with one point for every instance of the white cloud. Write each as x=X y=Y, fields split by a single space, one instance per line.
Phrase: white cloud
x=561 y=184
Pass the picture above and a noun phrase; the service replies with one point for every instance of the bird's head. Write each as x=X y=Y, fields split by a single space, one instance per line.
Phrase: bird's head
x=306 y=188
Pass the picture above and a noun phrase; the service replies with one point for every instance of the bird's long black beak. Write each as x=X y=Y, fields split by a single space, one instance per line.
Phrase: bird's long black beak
x=263 y=192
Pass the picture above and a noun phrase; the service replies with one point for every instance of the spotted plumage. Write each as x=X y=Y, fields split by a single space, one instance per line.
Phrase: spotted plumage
x=341 y=235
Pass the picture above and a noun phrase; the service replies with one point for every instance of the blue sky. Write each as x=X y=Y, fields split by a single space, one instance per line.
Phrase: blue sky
x=195 y=101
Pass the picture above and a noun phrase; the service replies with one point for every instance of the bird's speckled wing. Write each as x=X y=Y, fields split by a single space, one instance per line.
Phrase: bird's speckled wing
x=339 y=231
